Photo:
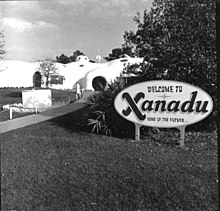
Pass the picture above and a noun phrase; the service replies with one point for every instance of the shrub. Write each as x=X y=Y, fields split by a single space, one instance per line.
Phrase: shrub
x=103 y=118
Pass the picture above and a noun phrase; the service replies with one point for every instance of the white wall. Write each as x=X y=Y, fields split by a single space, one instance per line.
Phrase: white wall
x=20 y=74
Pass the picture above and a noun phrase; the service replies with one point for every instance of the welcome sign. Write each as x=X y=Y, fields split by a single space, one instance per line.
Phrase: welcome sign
x=163 y=103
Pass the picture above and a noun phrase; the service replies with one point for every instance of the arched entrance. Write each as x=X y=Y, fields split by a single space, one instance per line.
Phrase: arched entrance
x=99 y=83
x=37 y=79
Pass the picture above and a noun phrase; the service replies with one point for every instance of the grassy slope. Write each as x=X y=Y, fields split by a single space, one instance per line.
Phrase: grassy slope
x=54 y=166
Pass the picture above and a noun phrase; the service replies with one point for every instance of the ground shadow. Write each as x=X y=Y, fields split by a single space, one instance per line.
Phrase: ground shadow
x=14 y=95
x=74 y=121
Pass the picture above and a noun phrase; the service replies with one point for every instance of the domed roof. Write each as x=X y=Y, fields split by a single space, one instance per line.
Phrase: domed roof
x=82 y=59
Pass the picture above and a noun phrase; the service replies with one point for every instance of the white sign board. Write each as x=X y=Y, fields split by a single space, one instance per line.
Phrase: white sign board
x=163 y=103
x=37 y=98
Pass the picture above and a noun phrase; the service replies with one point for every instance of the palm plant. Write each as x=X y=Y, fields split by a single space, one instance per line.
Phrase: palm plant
x=103 y=117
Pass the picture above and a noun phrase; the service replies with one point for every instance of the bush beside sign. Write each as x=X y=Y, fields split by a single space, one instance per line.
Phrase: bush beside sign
x=163 y=103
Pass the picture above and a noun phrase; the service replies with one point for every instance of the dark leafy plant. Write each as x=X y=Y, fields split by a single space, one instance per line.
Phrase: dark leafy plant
x=103 y=118
x=99 y=124
x=68 y=59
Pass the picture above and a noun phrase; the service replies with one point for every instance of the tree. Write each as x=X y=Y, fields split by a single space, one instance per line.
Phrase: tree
x=119 y=53
x=63 y=59
x=1 y=44
x=115 y=54
x=47 y=68
x=178 y=38
x=75 y=55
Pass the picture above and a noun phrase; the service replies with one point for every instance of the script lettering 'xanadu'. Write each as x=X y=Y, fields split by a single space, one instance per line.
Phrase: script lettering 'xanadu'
x=163 y=103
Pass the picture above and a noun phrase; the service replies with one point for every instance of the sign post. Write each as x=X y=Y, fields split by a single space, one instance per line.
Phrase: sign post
x=182 y=135
x=137 y=132
x=163 y=104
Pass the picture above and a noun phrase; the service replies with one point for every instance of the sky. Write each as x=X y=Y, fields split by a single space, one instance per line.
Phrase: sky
x=48 y=28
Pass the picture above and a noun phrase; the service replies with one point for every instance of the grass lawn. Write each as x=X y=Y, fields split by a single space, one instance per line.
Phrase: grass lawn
x=56 y=166
x=14 y=95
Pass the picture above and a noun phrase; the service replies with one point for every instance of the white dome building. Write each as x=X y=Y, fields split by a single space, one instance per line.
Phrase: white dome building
x=82 y=59
x=82 y=72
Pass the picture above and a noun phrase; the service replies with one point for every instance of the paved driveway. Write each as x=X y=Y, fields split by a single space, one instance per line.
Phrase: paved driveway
x=14 y=124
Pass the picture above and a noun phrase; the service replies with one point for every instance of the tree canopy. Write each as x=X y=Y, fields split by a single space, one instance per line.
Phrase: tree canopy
x=65 y=59
x=179 y=38
x=119 y=52
x=1 y=44
x=47 y=68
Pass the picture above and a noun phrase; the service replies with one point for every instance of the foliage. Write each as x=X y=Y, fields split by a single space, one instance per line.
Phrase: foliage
x=118 y=53
x=103 y=117
x=47 y=68
x=1 y=44
x=65 y=59
x=99 y=124
x=75 y=55
x=179 y=39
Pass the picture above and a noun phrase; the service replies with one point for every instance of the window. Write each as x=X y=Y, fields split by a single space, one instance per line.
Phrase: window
x=123 y=60
x=57 y=79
